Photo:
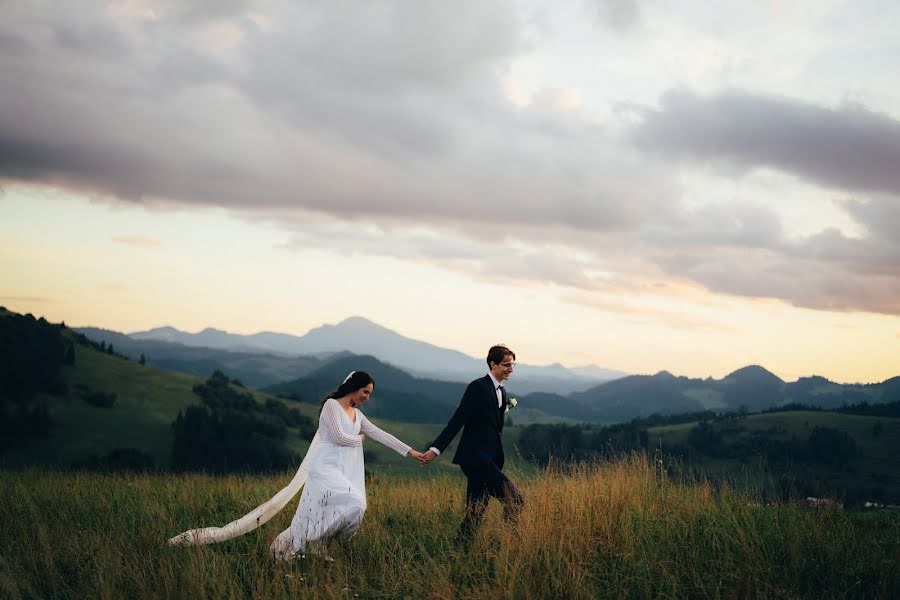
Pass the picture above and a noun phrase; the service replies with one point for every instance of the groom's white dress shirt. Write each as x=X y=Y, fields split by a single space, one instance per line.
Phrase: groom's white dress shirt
x=497 y=386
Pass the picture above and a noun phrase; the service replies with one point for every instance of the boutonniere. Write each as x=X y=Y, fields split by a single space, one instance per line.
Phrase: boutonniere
x=511 y=402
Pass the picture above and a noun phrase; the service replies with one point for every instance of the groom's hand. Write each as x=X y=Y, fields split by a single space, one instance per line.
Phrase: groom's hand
x=427 y=457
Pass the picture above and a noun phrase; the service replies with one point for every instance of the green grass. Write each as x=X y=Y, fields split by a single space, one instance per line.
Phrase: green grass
x=615 y=530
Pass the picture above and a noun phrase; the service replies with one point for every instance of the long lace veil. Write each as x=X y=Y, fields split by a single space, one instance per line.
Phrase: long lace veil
x=253 y=519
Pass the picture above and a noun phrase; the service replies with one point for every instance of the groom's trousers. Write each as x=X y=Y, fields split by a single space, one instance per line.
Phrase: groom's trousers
x=486 y=480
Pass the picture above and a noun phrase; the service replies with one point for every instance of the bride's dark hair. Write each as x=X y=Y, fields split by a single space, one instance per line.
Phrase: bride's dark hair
x=355 y=381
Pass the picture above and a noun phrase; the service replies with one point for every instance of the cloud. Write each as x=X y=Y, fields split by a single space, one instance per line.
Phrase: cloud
x=618 y=15
x=850 y=147
x=881 y=218
x=393 y=122
x=643 y=313
x=28 y=299
x=137 y=240
x=410 y=119
x=816 y=284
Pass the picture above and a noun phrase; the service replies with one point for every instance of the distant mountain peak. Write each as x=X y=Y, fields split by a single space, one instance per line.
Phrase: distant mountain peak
x=753 y=372
x=213 y=330
x=164 y=329
x=360 y=324
x=357 y=320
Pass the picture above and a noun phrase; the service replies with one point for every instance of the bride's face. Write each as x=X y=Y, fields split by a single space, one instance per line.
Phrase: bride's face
x=362 y=394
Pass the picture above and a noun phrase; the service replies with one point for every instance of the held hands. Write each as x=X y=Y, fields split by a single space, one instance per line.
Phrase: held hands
x=423 y=457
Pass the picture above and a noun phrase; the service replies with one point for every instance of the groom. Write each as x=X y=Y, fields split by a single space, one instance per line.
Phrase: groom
x=480 y=453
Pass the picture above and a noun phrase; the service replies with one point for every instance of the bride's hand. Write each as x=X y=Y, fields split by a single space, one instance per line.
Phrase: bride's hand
x=362 y=437
x=415 y=454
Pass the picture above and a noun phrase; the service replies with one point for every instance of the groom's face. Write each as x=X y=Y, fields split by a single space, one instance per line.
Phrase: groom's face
x=503 y=369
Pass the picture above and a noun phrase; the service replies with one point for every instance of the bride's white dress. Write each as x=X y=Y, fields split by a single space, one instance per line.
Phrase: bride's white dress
x=332 y=476
x=334 y=499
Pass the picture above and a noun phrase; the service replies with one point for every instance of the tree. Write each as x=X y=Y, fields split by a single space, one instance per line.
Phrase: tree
x=143 y=360
x=230 y=431
x=32 y=354
x=830 y=446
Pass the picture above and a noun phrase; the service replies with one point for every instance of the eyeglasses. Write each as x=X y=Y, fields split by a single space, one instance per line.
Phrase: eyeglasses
x=508 y=365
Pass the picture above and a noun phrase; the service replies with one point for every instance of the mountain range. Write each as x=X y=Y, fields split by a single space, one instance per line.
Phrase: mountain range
x=279 y=354
x=309 y=366
x=400 y=396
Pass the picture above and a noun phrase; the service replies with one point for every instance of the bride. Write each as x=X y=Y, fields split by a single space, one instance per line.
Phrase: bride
x=334 y=497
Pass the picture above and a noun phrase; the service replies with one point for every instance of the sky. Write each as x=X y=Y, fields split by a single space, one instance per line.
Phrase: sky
x=643 y=185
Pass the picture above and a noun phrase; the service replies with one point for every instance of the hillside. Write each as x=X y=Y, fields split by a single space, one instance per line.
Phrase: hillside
x=850 y=454
x=398 y=395
x=145 y=402
x=784 y=441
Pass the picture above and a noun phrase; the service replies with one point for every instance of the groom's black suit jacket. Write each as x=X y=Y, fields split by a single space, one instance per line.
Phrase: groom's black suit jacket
x=482 y=423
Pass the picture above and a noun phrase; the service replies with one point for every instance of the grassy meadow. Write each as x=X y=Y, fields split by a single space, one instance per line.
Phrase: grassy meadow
x=618 y=529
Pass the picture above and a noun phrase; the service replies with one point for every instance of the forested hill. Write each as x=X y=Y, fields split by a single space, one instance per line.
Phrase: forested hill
x=66 y=401
x=750 y=389
x=398 y=395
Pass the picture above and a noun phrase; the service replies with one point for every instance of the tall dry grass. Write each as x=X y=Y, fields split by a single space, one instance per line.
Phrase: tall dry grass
x=616 y=529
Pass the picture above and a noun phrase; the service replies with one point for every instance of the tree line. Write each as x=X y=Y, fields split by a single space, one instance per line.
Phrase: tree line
x=230 y=431
x=32 y=355
x=710 y=438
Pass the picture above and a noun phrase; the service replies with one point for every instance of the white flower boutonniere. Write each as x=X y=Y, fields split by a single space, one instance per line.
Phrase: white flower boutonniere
x=511 y=402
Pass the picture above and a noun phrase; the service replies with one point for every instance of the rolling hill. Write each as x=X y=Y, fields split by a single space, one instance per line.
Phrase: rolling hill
x=775 y=447
x=749 y=389
x=398 y=395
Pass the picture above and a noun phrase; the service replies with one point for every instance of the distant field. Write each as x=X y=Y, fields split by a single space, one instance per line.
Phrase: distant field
x=618 y=530
x=875 y=468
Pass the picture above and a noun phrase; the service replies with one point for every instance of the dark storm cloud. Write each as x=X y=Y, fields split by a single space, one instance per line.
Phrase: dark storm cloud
x=848 y=148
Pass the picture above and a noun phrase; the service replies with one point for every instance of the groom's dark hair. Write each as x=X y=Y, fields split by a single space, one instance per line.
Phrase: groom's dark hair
x=497 y=353
x=356 y=380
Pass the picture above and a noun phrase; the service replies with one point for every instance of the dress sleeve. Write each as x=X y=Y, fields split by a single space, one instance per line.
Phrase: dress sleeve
x=330 y=421
x=381 y=436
